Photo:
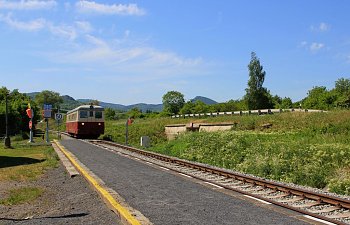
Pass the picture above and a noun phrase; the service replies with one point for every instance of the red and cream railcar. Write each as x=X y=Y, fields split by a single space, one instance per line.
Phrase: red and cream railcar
x=86 y=121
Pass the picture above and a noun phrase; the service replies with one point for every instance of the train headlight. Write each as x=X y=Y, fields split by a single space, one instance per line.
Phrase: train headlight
x=99 y=124
x=83 y=124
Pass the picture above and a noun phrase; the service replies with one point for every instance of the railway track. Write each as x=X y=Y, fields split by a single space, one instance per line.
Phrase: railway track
x=325 y=207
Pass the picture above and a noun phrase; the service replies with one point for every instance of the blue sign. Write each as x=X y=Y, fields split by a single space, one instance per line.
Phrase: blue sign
x=47 y=107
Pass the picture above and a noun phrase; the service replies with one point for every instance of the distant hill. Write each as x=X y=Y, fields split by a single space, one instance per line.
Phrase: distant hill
x=32 y=94
x=71 y=103
x=142 y=106
x=205 y=100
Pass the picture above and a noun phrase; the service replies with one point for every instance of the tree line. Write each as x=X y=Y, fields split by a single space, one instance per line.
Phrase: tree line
x=17 y=105
x=259 y=97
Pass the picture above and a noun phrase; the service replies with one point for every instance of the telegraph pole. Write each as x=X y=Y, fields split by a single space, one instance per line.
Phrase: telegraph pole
x=7 y=138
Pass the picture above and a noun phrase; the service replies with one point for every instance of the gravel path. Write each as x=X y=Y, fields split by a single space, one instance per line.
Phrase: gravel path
x=65 y=201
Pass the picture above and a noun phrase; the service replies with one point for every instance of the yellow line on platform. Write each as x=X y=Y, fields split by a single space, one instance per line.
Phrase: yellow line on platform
x=120 y=209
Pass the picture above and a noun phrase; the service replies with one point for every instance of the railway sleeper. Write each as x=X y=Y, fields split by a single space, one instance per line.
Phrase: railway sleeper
x=290 y=200
x=326 y=210
x=308 y=205
x=264 y=191
x=278 y=196
x=340 y=215
x=216 y=179
x=244 y=186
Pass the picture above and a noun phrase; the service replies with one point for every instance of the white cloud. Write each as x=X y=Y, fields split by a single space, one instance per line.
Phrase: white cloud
x=303 y=44
x=115 y=9
x=64 y=31
x=32 y=25
x=132 y=60
x=84 y=26
x=27 y=4
x=322 y=27
x=314 y=47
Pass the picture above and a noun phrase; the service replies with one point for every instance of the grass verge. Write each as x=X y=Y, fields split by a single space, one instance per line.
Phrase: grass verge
x=22 y=195
x=23 y=163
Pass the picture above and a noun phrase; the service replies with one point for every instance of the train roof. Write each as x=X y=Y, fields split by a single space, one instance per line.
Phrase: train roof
x=86 y=107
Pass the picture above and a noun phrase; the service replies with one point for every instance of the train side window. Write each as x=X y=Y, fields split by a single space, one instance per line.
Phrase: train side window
x=91 y=114
x=83 y=114
x=98 y=115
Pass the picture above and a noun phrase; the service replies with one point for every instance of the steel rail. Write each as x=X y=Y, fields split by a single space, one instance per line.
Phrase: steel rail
x=306 y=194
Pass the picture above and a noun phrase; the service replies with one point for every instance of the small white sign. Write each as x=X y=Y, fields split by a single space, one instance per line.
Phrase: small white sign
x=58 y=116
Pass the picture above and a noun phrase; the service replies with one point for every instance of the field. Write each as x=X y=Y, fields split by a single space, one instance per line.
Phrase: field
x=303 y=148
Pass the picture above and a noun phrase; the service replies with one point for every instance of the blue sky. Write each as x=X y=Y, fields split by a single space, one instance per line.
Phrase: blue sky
x=135 y=51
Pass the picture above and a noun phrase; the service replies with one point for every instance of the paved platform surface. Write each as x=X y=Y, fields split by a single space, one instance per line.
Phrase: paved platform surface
x=166 y=198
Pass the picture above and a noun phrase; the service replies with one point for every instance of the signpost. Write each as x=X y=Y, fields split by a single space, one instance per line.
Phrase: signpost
x=30 y=114
x=58 y=118
x=47 y=115
x=128 y=122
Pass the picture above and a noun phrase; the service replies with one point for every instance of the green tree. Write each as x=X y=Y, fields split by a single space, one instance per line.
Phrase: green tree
x=173 y=101
x=342 y=90
x=188 y=108
x=135 y=113
x=109 y=113
x=257 y=97
x=48 y=97
x=342 y=86
x=319 y=98
x=286 y=103
x=17 y=105
x=200 y=107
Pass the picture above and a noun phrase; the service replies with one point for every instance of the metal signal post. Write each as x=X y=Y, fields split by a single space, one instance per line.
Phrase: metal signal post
x=128 y=122
x=7 y=138
x=30 y=114
x=58 y=118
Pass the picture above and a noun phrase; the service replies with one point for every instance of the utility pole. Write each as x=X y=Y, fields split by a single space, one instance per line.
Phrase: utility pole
x=7 y=138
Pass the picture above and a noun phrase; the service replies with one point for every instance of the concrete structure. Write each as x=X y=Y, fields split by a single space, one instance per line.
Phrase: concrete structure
x=173 y=130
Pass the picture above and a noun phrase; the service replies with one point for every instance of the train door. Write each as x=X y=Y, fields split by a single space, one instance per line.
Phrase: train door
x=91 y=114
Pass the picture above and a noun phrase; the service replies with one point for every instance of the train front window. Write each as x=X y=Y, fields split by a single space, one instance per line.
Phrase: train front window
x=91 y=114
x=83 y=114
x=98 y=115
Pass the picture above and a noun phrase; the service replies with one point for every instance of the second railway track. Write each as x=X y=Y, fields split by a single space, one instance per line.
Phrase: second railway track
x=326 y=207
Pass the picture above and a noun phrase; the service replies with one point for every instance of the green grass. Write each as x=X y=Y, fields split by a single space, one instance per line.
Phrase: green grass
x=26 y=161
x=23 y=163
x=304 y=148
x=22 y=195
